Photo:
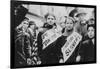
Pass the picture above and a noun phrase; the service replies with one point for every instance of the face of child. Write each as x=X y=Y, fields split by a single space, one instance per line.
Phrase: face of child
x=62 y=24
x=50 y=20
x=32 y=27
x=69 y=24
x=90 y=32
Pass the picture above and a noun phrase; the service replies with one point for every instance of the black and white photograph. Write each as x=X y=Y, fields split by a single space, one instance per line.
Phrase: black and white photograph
x=52 y=34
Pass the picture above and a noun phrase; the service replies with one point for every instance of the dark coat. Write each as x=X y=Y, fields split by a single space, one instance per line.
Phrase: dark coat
x=87 y=51
x=49 y=54
x=22 y=44
x=60 y=43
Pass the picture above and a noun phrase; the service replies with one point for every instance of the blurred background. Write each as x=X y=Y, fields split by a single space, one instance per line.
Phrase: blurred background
x=36 y=12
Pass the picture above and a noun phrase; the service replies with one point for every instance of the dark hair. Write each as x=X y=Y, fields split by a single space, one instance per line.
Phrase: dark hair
x=92 y=25
x=31 y=23
x=48 y=15
x=87 y=21
x=90 y=20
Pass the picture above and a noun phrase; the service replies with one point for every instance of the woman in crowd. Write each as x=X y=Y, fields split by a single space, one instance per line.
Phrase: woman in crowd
x=87 y=48
x=47 y=55
x=21 y=44
x=67 y=51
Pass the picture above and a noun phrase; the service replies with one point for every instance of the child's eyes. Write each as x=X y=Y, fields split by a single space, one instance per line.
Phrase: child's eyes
x=50 y=18
x=69 y=23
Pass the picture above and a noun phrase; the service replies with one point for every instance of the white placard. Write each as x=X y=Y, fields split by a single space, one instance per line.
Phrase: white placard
x=49 y=37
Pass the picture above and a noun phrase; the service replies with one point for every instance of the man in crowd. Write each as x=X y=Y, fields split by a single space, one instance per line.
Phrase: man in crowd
x=81 y=24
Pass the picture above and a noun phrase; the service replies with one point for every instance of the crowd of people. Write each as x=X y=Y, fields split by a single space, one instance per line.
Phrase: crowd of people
x=70 y=41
